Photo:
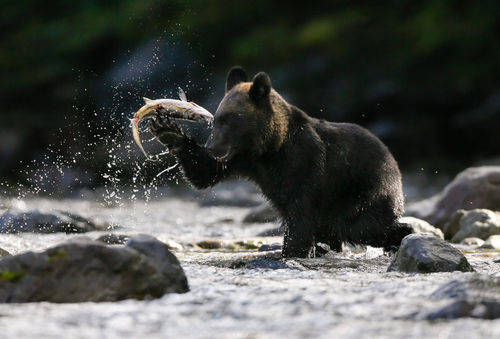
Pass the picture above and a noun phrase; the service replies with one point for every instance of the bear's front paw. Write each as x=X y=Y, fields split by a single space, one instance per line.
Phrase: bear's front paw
x=166 y=131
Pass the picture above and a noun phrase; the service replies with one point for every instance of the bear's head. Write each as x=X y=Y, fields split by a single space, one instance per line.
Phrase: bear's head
x=251 y=119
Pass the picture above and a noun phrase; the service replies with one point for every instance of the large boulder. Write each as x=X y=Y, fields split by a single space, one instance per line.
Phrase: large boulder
x=425 y=253
x=87 y=270
x=36 y=221
x=477 y=223
x=476 y=187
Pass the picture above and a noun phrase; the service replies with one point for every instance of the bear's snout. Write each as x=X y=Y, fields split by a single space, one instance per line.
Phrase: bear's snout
x=216 y=148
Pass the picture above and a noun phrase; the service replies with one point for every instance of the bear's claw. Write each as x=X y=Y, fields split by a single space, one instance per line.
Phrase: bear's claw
x=166 y=131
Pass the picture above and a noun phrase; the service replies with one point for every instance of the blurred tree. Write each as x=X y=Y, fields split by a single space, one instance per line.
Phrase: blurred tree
x=424 y=76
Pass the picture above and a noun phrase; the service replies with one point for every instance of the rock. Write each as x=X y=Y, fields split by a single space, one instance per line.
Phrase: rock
x=475 y=187
x=4 y=253
x=465 y=308
x=87 y=270
x=492 y=243
x=421 y=226
x=247 y=244
x=209 y=244
x=46 y=222
x=271 y=247
x=472 y=242
x=426 y=253
x=478 y=223
x=261 y=214
x=472 y=286
x=475 y=295
x=113 y=239
x=174 y=245
x=452 y=225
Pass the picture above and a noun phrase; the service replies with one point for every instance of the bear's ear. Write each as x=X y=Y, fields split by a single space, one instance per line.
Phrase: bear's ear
x=260 y=88
x=235 y=75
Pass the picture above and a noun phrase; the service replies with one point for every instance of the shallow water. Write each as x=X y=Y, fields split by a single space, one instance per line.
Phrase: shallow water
x=244 y=293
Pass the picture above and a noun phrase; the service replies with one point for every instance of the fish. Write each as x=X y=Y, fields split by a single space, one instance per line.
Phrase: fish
x=177 y=109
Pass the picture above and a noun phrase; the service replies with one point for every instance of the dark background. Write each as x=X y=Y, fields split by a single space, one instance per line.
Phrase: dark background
x=422 y=75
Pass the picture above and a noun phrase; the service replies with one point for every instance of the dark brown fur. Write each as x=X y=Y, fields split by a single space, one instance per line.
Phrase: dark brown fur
x=330 y=182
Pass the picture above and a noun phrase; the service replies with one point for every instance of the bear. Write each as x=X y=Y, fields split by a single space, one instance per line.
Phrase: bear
x=331 y=183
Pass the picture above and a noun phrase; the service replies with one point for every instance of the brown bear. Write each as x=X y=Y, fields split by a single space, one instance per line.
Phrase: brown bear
x=330 y=182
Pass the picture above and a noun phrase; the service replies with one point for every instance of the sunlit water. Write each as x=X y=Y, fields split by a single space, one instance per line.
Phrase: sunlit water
x=347 y=295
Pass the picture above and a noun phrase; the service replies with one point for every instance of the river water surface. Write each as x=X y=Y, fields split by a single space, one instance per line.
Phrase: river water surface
x=238 y=292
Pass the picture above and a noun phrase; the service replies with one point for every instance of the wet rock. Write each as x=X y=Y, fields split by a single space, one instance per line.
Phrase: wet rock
x=46 y=222
x=492 y=243
x=4 y=253
x=209 y=244
x=421 y=226
x=472 y=286
x=425 y=253
x=247 y=244
x=261 y=214
x=475 y=296
x=466 y=308
x=475 y=187
x=472 y=242
x=270 y=247
x=452 y=225
x=88 y=270
x=478 y=223
x=174 y=245
x=113 y=239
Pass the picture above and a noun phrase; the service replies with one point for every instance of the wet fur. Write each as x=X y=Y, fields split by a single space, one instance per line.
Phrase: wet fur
x=330 y=182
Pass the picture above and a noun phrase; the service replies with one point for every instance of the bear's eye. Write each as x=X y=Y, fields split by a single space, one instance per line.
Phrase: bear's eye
x=226 y=118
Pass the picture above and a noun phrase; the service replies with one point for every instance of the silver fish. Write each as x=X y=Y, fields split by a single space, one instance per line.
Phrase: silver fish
x=177 y=109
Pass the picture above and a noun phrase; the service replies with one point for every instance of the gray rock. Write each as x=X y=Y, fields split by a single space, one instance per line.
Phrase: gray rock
x=478 y=223
x=261 y=214
x=426 y=253
x=474 y=295
x=113 y=239
x=470 y=309
x=270 y=247
x=46 y=222
x=492 y=243
x=88 y=270
x=472 y=286
x=421 y=226
x=475 y=187
x=452 y=225
x=472 y=242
